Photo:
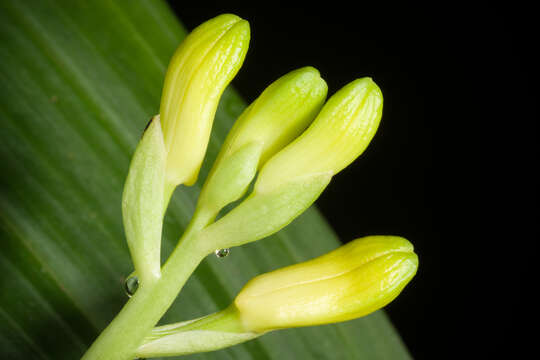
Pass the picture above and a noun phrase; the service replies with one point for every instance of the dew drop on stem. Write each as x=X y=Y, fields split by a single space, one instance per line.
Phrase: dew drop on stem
x=221 y=253
x=131 y=285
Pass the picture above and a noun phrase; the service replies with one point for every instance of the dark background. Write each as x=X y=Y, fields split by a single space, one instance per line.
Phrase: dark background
x=452 y=165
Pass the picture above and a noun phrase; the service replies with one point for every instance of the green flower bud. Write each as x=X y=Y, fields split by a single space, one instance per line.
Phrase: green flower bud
x=143 y=203
x=349 y=282
x=201 y=68
x=276 y=117
x=340 y=133
x=279 y=114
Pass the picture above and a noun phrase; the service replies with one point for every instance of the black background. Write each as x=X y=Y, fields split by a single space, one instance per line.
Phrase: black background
x=452 y=165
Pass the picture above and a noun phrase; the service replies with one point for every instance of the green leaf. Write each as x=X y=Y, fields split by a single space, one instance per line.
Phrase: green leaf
x=80 y=80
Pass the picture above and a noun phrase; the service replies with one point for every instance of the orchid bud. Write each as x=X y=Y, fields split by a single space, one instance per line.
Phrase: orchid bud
x=349 y=282
x=352 y=281
x=200 y=69
x=292 y=179
x=276 y=117
x=283 y=110
x=340 y=133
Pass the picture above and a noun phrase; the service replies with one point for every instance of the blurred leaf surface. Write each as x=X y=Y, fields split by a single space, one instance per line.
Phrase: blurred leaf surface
x=80 y=79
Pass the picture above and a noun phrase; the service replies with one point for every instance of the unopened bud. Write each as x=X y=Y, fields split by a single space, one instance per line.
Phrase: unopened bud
x=275 y=118
x=349 y=282
x=201 y=68
x=291 y=180
x=340 y=133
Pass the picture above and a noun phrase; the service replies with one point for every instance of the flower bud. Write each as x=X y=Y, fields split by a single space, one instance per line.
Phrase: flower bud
x=340 y=133
x=201 y=68
x=283 y=110
x=349 y=282
x=276 y=117
x=292 y=179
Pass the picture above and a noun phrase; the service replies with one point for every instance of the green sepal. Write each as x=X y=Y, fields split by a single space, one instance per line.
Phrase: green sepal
x=143 y=203
x=263 y=213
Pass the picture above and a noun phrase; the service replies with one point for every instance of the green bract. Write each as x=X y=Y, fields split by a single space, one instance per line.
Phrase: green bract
x=262 y=214
x=143 y=203
x=212 y=332
x=229 y=180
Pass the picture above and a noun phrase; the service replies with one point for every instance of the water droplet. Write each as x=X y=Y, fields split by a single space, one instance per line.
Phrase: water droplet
x=221 y=253
x=131 y=285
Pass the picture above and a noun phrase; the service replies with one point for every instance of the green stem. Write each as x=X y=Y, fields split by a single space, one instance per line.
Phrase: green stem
x=126 y=332
x=128 y=329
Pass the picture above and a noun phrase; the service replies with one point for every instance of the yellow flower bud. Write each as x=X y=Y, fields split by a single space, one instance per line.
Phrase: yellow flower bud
x=291 y=180
x=201 y=68
x=349 y=282
x=280 y=113
x=340 y=133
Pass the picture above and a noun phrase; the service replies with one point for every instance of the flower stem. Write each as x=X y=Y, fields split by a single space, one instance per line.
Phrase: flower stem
x=122 y=337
